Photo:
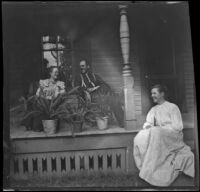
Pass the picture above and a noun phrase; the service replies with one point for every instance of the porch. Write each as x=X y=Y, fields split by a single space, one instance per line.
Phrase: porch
x=43 y=159
x=90 y=152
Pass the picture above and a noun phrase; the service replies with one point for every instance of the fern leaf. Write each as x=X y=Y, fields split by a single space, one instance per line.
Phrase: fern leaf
x=42 y=106
x=31 y=114
x=59 y=113
x=73 y=90
x=57 y=101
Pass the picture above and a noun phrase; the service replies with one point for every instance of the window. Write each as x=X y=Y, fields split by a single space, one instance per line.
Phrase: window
x=56 y=51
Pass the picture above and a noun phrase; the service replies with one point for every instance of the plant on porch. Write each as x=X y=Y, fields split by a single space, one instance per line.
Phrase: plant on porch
x=77 y=118
x=49 y=111
x=99 y=111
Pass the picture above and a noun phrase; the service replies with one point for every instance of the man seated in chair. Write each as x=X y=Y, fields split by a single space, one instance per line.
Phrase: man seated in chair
x=91 y=85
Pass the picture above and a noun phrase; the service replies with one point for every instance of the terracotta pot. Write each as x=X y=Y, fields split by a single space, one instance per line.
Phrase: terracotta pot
x=50 y=126
x=102 y=123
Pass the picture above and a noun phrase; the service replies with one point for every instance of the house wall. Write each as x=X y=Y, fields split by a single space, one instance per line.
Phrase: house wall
x=103 y=51
x=187 y=63
x=22 y=53
x=15 y=74
x=189 y=83
x=184 y=60
x=100 y=44
x=24 y=68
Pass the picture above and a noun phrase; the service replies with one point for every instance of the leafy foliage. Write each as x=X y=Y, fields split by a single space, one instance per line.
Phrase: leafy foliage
x=57 y=108
x=101 y=107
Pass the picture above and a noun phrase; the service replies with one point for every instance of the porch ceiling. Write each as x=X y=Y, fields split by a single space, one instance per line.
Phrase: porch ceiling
x=76 y=19
x=52 y=18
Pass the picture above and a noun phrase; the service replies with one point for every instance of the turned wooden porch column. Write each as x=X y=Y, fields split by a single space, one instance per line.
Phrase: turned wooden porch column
x=130 y=119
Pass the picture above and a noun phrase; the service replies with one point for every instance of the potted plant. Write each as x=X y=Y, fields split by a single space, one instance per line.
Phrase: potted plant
x=77 y=119
x=32 y=118
x=50 y=111
x=72 y=100
x=102 y=122
x=101 y=111
x=98 y=117
x=77 y=109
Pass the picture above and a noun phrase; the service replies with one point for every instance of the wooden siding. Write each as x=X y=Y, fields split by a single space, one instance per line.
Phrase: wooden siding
x=15 y=62
x=189 y=79
x=101 y=47
x=137 y=88
x=110 y=69
x=24 y=61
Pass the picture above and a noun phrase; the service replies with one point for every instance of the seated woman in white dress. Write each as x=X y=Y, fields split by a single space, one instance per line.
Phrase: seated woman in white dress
x=49 y=89
x=159 y=151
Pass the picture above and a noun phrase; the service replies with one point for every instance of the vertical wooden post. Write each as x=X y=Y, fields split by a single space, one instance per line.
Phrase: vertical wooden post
x=73 y=64
x=6 y=127
x=130 y=119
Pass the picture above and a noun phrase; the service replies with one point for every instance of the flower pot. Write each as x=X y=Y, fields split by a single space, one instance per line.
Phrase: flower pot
x=50 y=126
x=102 y=123
x=77 y=126
x=64 y=125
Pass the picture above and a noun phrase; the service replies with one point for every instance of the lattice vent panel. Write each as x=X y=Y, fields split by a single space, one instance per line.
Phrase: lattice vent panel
x=65 y=163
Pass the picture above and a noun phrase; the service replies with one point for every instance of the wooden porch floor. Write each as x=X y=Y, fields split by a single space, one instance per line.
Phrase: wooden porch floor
x=21 y=132
x=17 y=131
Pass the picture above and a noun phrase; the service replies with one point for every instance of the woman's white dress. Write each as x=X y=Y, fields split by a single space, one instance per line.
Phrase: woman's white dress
x=159 y=152
x=50 y=90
